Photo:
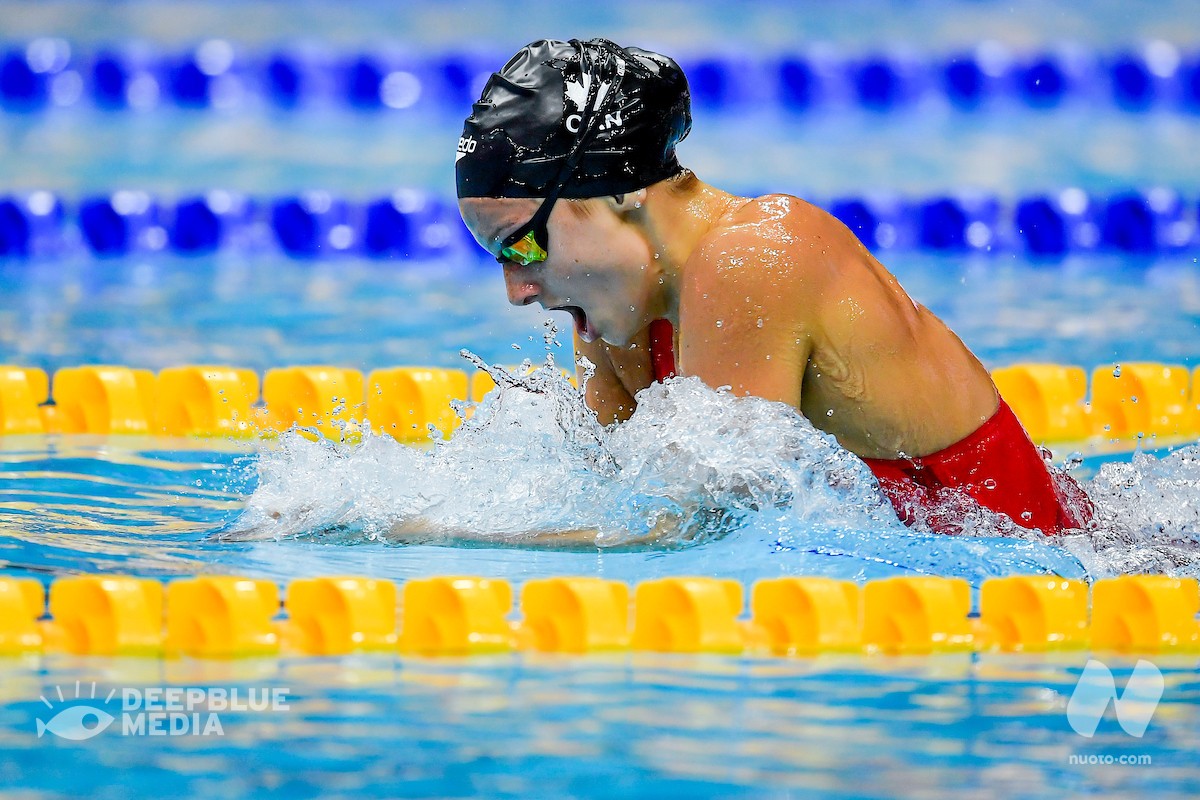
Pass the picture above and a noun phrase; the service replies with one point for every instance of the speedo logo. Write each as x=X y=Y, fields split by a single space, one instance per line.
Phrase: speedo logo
x=466 y=144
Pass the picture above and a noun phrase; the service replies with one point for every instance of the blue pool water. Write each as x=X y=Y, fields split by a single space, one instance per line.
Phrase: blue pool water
x=643 y=727
x=563 y=727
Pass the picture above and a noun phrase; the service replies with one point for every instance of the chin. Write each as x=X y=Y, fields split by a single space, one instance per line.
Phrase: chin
x=613 y=341
x=627 y=330
x=616 y=339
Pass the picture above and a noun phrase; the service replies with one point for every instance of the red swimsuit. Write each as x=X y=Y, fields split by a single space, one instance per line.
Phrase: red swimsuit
x=662 y=349
x=997 y=467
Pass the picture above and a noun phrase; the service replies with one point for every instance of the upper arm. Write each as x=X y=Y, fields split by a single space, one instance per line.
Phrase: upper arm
x=742 y=317
x=604 y=392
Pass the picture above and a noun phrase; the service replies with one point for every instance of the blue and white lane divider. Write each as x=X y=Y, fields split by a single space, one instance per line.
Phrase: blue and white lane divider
x=48 y=72
x=410 y=224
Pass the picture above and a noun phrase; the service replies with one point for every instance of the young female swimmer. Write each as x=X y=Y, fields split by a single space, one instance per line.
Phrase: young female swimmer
x=770 y=296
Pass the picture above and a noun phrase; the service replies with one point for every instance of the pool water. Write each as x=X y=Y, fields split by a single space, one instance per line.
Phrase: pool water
x=628 y=725
x=640 y=727
x=521 y=725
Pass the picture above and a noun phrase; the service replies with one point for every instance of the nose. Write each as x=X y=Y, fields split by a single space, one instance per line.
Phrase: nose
x=521 y=290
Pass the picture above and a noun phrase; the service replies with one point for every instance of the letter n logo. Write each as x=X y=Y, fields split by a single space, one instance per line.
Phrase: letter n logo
x=1135 y=706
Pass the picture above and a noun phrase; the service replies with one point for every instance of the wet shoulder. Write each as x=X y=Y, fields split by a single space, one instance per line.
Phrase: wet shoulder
x=775 y=209
x=789 y=234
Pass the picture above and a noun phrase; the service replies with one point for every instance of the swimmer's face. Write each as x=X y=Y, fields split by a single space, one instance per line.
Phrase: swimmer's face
x=596 y=269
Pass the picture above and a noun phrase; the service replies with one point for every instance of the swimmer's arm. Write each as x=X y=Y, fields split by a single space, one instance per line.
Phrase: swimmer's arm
x=419 y=531
x=742 y=321
x=606 y=394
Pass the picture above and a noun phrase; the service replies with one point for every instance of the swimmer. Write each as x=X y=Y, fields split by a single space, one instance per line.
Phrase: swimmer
x=567 y=175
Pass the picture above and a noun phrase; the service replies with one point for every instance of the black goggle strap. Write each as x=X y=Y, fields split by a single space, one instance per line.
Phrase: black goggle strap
x=590 y=115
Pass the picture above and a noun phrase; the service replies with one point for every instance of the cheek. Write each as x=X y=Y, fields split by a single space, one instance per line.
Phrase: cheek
x=576 y=249
x=615 y=245
x=577 y=243
x=594 y=257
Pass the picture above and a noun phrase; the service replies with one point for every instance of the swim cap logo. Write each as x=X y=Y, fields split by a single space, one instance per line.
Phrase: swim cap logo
x=466 y=145
x=577 y=92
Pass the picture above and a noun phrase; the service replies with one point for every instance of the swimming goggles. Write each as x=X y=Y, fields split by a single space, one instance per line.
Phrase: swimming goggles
x=528 y=243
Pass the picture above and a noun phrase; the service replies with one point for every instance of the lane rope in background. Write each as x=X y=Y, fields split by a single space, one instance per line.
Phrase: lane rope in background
x=45 y=73
x=412 y=224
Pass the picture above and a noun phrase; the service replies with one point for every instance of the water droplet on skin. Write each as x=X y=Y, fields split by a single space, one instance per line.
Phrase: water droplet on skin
x=720 y=323
x=661 y=281
x=631 y=309
x=829 y=413
x=760 y=322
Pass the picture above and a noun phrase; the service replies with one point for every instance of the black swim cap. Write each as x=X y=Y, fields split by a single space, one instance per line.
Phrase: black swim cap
x=593 y=117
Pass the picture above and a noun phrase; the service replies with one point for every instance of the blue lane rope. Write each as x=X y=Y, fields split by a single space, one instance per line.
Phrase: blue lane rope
x=44 y=73
x=410 y=224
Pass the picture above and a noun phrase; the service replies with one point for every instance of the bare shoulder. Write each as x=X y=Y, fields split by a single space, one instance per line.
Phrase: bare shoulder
x=749 y=304
x=772 y=239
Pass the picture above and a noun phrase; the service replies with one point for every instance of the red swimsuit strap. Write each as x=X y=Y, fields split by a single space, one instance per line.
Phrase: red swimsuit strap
x=662 y=349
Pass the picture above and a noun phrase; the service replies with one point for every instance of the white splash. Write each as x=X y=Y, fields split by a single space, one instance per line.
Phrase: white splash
x=531 y=463
x=532 y=459
x=1147 y=517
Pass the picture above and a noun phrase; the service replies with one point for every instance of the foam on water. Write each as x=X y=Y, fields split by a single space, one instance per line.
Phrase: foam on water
x=532 y=459
x=1148 y=516
x=531 y=465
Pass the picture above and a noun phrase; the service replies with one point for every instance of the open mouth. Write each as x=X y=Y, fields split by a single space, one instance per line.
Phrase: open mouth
x=583 y=326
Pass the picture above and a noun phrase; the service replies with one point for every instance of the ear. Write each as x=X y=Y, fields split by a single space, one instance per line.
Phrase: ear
x=628 y=202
